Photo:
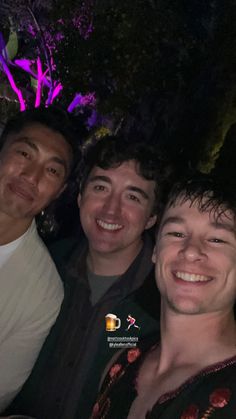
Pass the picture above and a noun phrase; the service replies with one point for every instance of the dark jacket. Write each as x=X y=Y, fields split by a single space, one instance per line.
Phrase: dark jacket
x=65 y=380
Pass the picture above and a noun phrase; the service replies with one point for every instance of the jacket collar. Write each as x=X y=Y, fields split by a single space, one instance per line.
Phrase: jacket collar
x=129 y=281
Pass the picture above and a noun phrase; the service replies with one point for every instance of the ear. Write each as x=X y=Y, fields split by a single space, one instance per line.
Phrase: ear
x=79 y=200
x=154 y=256
x=151 y=221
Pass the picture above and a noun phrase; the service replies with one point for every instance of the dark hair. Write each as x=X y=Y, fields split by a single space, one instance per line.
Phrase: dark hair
x=210 y=193
x=112 y=151
x=52 y=117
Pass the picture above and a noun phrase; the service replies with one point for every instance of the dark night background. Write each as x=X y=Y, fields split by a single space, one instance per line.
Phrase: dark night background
x=163 y=69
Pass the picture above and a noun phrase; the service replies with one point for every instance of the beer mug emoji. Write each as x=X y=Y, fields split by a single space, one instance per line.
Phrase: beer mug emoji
x=112 y=322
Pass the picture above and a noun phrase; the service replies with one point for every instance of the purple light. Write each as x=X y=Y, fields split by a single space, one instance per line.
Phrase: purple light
x=3 y=50
x=39 y=85
x=41 y=78
x=92 y=120
x=25 y=65
x=44 y=79
x=75 y=102
x=80 y=100
x=31 y=30
x=56 y=91
x=12 y=83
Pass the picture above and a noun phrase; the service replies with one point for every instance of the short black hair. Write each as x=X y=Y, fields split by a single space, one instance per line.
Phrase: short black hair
x=53 y=117
x=211 y=193
x=112 y=151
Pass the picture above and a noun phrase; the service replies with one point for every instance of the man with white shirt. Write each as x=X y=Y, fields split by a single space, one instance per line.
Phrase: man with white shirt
x=36 y=157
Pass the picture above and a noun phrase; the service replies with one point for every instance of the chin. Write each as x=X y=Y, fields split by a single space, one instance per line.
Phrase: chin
x=105 y=250
x=185 y=307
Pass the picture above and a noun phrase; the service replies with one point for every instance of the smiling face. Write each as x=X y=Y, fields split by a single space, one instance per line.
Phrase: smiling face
x=34 y=164
x=195 y=258
x=115 y=209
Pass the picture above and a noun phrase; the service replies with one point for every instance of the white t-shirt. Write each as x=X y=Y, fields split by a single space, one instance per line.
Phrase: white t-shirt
x=31 y=293
x=6 y=250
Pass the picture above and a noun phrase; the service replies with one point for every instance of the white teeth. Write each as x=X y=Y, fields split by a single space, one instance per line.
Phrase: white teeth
x=191 y=277
x=109 y=226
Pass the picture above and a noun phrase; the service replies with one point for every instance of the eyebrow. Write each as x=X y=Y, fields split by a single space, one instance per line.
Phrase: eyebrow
x=215 y=224
x=169 y=220
x=25 y=140
x=34 y=147
x=129 y=188
x=223 y=226
x=99 y=177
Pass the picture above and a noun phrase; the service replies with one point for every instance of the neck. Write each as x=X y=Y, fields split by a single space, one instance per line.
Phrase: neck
x=11 y=230
x=197 y=339
x=114 y=263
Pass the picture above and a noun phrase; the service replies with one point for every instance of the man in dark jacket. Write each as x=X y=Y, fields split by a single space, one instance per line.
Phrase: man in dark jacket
x=108 y=275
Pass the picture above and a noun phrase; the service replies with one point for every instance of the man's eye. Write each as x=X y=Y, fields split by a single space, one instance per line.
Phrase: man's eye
x=216 y=240
x=23 y=153
x=53 y=171
x=175 y=234
x=99 y=187
x=134 y=198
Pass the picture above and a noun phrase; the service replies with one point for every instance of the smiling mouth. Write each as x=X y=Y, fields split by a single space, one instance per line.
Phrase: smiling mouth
x=187 y=277
x=21 y=192
x=109 y=226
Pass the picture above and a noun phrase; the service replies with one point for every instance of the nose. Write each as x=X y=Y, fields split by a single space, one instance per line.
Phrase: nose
x=112 y=204
x=193 y=250
x=32 y=173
